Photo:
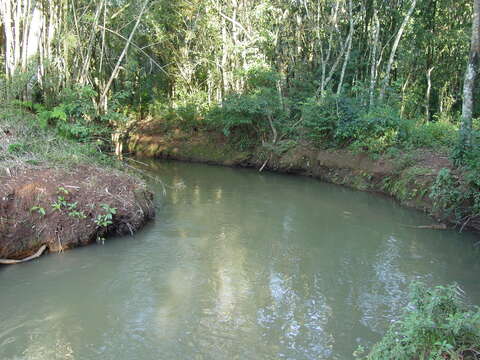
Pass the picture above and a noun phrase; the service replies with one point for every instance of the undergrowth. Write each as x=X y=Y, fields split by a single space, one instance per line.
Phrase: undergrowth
x=252 y=117
x=437 y=325
x=456 y=195
x=25 y=142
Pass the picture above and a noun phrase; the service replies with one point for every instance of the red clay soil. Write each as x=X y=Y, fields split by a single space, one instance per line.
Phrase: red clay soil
x=28 y=220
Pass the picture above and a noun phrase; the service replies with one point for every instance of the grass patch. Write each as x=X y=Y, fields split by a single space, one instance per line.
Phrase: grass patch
x=23 y=142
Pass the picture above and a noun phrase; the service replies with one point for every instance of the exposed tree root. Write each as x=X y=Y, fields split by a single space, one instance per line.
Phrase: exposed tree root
x=34 y=256
x=433 y=227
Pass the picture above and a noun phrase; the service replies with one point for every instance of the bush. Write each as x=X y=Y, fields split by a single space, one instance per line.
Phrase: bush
x=74 y=115
x=187 y=113
x=375 y=130
x=249 y=114
x=342 y=121
x=447 y=195
x=30 y=144
x=21 y=83
x=437 y=325
x=322 y=118
x=431 y=134
x=457 y=198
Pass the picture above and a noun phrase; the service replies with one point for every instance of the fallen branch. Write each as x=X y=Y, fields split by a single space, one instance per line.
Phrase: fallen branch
x=34 y=256
x=265 y=163
x=274 y=141
x=433 y=227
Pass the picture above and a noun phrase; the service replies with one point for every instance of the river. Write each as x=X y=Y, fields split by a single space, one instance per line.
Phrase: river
x=237 y=265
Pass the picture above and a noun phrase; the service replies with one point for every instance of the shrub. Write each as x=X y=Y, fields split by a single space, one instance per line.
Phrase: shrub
x=249 y=114
x=21 y=83
x=430 y=134
x=457 y=197
x=467 y=155
x=437 y=325
x=342 y=121
x=322 y=117
x=447 y=194
x=187 y=113
x=374 y=130
x=77 y=102
x=75 y=115
x=31 y=144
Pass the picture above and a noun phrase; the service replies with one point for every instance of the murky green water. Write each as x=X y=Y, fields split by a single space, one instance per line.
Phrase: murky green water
x=238 y=265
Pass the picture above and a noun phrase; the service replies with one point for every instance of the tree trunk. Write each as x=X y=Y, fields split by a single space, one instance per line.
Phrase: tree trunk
x=470 y=77
x=374 y=66
x=388 y=71
x=428 y=94
x=349 y=47
x=116 y=69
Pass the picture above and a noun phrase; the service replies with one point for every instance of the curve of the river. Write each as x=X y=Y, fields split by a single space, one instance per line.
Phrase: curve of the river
x=237 y=265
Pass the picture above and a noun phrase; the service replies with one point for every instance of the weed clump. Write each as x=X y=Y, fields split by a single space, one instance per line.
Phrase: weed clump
x=25 y=142
x=437 y=325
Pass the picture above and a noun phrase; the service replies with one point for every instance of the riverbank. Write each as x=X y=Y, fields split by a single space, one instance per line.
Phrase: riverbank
x=60 y=194
x=409 y=177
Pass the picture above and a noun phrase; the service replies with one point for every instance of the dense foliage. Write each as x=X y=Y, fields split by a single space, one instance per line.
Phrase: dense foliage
x=437 y=325
x=27 y=143
x=340 y=71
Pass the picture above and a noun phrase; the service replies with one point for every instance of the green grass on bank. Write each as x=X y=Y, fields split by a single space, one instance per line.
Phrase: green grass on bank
x=23 y=142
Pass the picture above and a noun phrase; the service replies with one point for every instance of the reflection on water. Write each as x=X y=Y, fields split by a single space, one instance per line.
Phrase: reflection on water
x=238 y=265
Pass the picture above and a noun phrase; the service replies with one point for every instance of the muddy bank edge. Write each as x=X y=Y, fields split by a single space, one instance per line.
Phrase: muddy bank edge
x=67 y=208
x=407 y=177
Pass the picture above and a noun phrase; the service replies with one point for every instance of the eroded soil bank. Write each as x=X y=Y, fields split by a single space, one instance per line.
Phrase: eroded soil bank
x=67 y=208
x=407 y=177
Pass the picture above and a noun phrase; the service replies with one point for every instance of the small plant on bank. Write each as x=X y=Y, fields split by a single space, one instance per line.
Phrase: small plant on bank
x=72 y=206
x=104 y=220
x=77 y=214
x=437 y=325
x=62 y=190
x=59 y=204
x=39 y=210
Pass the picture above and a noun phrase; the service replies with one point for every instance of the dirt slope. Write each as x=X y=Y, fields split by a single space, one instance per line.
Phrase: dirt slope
x=63 y=209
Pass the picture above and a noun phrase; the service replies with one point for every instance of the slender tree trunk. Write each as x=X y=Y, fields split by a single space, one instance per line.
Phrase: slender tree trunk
x=404 y=88
x=333 y=27
x=428 y=94
x=223 y=64
x=16 y=29
x=91 y=41
x=334 y=66
x=349 y=47
x=21 y=21
x=113 y=76
x=388 y=71
x=374 y=66
x=470 y=77
x=6 y=12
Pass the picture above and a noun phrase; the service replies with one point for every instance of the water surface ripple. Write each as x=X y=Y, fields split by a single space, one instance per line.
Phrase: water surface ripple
x=237 y=265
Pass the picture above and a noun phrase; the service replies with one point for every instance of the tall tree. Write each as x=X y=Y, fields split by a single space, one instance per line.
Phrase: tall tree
x=388 y=71
x=470 y=77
